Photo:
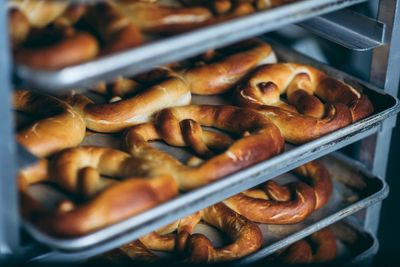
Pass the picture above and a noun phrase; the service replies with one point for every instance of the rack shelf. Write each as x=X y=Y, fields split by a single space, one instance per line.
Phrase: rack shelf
x=175 y=48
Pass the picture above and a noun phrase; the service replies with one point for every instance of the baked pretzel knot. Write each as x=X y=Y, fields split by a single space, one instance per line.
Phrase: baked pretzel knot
x=79 y=171
x=319 y=247
x=246 y=236
x=291 y=203
x=180 y=126
x=48 y=135
x=304 y=87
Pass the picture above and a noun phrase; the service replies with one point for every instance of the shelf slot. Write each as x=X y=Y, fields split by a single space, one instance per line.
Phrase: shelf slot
x=349 y=29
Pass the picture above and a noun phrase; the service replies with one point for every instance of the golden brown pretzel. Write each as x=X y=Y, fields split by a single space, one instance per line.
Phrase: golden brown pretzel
x=116 y=116
x=40 y=12
x=286 y=204
x=75 y=168
x=218 y=77
x=304 y=87
x=48 y=135
x=116 y=31
x=162 y=19
x=165 y=239
x=68 y=49
x=319 y=247
x=262 y=140
x=133 y=251
x=246 y=236
x=111 y=205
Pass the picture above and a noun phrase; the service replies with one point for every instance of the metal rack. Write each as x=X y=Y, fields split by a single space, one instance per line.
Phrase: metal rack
x=380 y=35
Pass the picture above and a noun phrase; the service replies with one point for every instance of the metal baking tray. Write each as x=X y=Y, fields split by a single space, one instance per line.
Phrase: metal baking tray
x=129 y=229
x=354 y=189
x=349 y=177
x=354 y=246
x=175 y=48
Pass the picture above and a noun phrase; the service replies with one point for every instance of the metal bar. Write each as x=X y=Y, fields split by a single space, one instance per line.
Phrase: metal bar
x=178 y=47
x=348 y=28
x=385 y=73
x=9 y=216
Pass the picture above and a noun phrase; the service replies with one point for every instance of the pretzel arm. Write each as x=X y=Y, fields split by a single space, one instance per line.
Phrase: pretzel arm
x=246 y=237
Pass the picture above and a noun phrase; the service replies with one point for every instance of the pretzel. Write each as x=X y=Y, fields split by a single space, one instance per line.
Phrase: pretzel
x=262 y=89
x=67 y=48
x=164 y=240
x=116 y=31
x=320 y=247
x=262 y=140
x=286 y=204
x=116 y=116
x=39 y=12
x=110 y=202
x=246 y=236
x=218 y=77
x=48 y=135
x=161 y=19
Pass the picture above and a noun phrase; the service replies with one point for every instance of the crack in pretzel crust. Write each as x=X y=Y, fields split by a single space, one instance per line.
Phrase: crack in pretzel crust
x=262 y=140
x=288 y=204
x=304 y=86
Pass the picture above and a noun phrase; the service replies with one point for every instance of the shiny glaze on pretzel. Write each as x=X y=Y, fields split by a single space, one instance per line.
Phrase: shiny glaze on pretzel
x=261 y=141
x=320 y=247
x=288 y=204
x=48 y=135
x=116 y=116
x=220 y=76
x=78 y=170
x=246 y=237
x=304 y=87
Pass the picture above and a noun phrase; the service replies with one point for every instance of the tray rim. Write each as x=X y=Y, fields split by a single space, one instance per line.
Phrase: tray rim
x=189 y=44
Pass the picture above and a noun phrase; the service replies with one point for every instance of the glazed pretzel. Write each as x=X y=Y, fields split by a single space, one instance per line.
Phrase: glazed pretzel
x=162 y=19
x=116 y=116
x=320 y=247
x=78 y=170
x=304 y=87
x=218 y=77
x=165 y=239
x=246 y=236
x=285 y=204
x=262 y=140
x=48 y=135
x=117 y=32
x=18 y=27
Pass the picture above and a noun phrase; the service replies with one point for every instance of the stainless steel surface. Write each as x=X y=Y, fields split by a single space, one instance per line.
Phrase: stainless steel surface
x=338 y=208
x=186 y=204
x=24 y=158
x=348 y=28
x=385 y=73
x=354 y=189
x=9 y=218
x=177 y=47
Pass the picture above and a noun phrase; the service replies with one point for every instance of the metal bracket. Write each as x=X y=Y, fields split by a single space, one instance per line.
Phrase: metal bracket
x=348 y=28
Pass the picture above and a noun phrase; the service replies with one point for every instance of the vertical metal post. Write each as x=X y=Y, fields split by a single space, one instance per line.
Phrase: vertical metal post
x=385 y=73
x=9 y=215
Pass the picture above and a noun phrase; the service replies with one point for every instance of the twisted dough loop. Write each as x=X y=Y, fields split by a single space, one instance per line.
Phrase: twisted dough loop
x=319 y=247
x=246 y=236
x=286 y=204
x=218 y=77
x=116 y=116
x=302 y=84
x=48 y=136
x=263 y=141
